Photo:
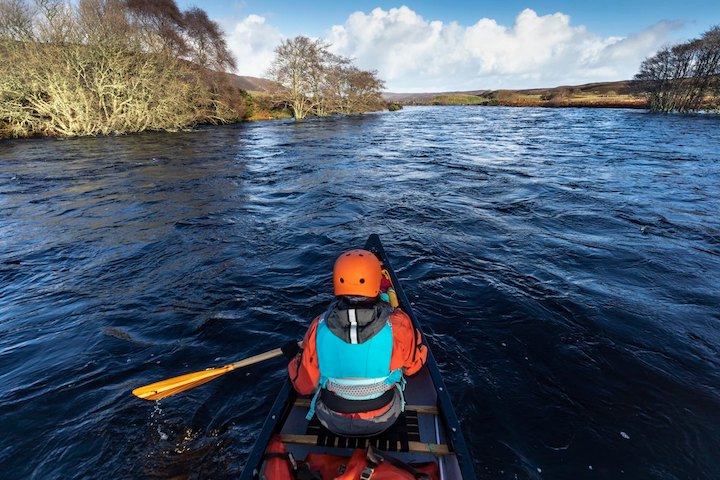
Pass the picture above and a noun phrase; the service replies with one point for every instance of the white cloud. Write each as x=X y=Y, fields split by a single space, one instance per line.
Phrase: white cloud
x=253 y=41
x=414 y=54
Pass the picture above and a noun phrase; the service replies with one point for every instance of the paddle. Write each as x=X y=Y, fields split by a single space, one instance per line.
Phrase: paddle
x=171 y=386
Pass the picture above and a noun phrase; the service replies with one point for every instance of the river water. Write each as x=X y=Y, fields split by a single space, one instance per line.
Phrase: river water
x=565 y=264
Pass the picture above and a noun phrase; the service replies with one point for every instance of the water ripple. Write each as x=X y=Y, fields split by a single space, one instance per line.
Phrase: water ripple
x=564 y=263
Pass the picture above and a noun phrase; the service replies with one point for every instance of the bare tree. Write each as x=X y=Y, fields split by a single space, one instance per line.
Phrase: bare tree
x=682 y=77
x=16 y=21
x=161 y=24
x=364 y=90
x=336 y=84
x=315 y=81
x=206 y=42
x=295 y=61
x=106 y=22
x=321 y=81
x=49 y=21
x=86 y=68
x=55 y=22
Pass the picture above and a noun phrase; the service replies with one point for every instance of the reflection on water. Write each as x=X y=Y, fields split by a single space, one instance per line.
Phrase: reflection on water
x=563 y=262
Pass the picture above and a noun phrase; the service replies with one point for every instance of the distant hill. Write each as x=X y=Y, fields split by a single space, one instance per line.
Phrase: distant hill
x=252 y=84
x=624 y=94
x=605 y=94
x=422 y=97
x=624 y=87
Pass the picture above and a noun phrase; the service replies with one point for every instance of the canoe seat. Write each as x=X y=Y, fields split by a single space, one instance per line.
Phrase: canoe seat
x=395 y=439
x=403 y=436
x=423 y=409
x=413 y=447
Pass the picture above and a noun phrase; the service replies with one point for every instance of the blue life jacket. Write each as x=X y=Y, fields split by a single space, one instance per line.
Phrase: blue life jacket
x=339 y=359
x=355 y=371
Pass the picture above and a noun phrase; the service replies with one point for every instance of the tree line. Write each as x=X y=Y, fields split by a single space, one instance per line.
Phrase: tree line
x=314 y=81
x=102 y=66
x=684 y=77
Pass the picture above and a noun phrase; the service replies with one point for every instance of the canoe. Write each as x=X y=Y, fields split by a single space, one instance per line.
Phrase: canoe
x=428 y=430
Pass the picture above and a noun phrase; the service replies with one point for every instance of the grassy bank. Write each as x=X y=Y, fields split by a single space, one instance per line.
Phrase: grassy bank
x=624 y=94
x=262 y=108
x=514 y=99
x=566 y=98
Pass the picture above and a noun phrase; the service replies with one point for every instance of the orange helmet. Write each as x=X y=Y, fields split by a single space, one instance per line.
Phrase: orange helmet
x=357 y=272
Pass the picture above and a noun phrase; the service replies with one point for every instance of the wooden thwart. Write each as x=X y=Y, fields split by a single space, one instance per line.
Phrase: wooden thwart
x=426 y=409
x=415 y=447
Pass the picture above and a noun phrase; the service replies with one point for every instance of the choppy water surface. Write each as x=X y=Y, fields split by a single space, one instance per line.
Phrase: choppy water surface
x=565 y=265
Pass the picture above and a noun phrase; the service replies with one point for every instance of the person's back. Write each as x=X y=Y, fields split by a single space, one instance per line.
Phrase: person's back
x=355 y=355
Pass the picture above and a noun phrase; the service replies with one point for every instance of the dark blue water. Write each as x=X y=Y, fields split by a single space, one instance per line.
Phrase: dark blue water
x=564 y=262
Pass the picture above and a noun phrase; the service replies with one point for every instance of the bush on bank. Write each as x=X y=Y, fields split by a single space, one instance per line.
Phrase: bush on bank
x=111 y=66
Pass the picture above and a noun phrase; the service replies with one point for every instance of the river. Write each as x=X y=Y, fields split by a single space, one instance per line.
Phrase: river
x=565 y=264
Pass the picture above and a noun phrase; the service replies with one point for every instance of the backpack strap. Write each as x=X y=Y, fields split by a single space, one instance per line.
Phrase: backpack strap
x=374 y=459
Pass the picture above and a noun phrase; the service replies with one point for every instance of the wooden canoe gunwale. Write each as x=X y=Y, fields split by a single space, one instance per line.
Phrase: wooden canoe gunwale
x=447 y=411
x=287 y=396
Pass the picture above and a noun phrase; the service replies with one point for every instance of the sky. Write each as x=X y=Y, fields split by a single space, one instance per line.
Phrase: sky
x=451 y=45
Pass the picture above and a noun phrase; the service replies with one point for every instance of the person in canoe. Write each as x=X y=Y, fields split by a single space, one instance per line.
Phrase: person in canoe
x=355 y=355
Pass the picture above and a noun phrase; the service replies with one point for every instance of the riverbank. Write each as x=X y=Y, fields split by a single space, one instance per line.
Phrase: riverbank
x=52 y=106
x=256 y=108
x=64 y=106
x=259 y=105
x=624 y=94
x=250 y=99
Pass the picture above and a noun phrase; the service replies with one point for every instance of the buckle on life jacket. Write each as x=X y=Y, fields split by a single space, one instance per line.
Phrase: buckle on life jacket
x=373 y=461
x=375 y=458
x=367 y=473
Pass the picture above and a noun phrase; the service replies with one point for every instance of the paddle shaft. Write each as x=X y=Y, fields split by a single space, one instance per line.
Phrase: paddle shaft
x=172 y=386
x=261 y=357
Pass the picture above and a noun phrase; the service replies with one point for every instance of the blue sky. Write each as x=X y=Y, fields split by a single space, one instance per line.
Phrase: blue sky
x=466 y=45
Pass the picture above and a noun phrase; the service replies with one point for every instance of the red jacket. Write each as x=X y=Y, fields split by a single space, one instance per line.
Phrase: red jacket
x=408 y=353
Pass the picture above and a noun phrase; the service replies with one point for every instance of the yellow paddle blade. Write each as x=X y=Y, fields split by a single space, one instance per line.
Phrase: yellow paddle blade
x=171 y=386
